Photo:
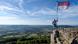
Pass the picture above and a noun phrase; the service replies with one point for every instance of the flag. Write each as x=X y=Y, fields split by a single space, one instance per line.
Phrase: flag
x=63 y=5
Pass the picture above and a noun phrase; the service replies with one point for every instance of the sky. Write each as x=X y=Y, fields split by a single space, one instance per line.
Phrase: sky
x=36 y=12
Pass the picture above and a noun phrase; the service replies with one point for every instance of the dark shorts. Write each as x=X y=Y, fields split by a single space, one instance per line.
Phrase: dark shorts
x=55 y=25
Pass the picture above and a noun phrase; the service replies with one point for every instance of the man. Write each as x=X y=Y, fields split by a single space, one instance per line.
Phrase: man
x=55 y=23
x=57 y=33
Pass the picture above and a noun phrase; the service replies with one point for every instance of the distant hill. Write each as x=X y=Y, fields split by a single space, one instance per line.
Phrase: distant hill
x=67 y=26
x=28 y=28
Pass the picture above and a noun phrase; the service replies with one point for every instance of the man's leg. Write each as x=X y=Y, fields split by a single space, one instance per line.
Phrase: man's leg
x=55 y=41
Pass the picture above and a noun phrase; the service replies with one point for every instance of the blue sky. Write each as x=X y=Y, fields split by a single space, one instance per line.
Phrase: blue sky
x=36 y=12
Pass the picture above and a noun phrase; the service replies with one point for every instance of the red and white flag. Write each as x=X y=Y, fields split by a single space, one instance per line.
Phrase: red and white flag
x=63 y=5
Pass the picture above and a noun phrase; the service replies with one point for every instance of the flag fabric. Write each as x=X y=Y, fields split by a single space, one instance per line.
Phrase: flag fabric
x=63 y=5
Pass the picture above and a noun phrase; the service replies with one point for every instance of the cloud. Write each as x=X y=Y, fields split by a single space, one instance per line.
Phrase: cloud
x=10 y=8
x=20 y=3
x=71 y=12
x=29 y=1
x=4 y=7
x=67 y=22
x=42 y=11
x=61 y=14
x=16 y=7
x=7 y=7
x=9 y=20
x=17 y=3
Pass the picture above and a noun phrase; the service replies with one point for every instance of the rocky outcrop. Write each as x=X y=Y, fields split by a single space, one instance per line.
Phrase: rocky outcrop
x=67 y=36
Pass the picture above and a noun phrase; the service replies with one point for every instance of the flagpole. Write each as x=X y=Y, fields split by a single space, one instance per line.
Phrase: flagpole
x=57 y=13
x=57 y=10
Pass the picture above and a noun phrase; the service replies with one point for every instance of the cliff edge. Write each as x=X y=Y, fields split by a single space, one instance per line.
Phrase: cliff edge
x=66 y=36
